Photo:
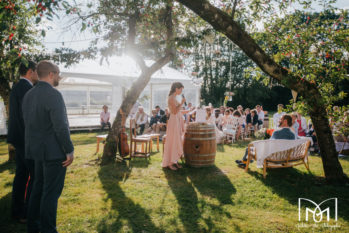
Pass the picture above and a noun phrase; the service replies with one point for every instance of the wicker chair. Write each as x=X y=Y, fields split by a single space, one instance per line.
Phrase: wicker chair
x=288 y=158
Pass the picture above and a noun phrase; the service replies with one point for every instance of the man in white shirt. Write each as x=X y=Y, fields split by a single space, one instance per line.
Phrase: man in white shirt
x=105 y=116
x=277 y=116
x=141 y=119
x=260 y=113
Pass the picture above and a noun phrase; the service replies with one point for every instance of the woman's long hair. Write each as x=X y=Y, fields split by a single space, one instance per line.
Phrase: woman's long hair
x=174 y=86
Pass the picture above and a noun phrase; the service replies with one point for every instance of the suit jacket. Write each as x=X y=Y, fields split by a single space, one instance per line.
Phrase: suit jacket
x=283 y=133
x=47 y=135
x=15 y=134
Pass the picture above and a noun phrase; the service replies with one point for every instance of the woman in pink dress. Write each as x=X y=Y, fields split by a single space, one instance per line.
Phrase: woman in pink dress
x=175 y=129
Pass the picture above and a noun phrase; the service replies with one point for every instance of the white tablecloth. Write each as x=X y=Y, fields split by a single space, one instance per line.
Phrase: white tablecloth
x=264 y=148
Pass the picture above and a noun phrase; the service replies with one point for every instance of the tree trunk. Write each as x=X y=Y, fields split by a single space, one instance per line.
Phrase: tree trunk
x=222 y=22
x=110 y=147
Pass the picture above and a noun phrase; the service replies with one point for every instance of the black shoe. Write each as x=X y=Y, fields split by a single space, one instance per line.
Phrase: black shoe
x=242 y=165
x=238 y=161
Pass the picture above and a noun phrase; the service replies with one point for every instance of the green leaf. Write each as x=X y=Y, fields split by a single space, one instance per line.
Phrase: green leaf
x=83 y=27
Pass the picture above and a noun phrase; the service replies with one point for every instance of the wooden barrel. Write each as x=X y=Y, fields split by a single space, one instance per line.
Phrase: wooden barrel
x=200 y=145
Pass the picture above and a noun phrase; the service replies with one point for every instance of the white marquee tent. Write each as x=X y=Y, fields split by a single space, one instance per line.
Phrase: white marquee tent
x=91 y=83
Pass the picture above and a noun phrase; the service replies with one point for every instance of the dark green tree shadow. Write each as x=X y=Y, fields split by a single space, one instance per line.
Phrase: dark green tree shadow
x=291 y=184
x=8 y=165
x=6 y=223
x=210 y=182
x=187 y=199
x=138 y=218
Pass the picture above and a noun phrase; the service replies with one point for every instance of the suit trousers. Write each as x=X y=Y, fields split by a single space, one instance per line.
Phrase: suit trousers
x=48 y=186
x=20 y=191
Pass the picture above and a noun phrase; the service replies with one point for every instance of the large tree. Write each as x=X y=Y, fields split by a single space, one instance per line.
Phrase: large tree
x=223 y=22
x=141 y=29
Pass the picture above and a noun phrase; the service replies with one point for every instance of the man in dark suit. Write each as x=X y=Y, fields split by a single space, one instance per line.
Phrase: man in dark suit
x=159 y=111
x=48 y=143
x=15 y=136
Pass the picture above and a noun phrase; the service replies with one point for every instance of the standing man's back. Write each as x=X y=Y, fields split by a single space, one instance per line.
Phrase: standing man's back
x=48 y=143
x=24 y=167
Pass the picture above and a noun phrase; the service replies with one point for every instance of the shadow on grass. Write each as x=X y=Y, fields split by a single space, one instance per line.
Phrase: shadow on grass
x=210 y=182
x=241 y=144
x=6 y=223
x=291 y=184
x=8 y=165
x=136 y=217
x=220 y=148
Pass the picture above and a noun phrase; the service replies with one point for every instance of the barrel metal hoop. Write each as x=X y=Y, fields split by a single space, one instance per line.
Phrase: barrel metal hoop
x=200 y=139
x=200 y=132
x=212 y=154
x=198 y=161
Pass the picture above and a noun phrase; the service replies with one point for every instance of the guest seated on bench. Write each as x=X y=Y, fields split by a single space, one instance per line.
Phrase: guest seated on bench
x=283 y=133
x=141 y=119
x=105 y=116
x=154 y=124
x=163 y=120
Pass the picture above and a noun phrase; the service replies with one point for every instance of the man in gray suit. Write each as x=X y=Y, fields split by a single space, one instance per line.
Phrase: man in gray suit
x=48 y=143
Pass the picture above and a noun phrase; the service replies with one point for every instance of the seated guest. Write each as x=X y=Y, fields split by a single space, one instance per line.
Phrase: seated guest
x=311 y=133
x=252 y=120
x=295 y=124
x=226 y=118
x=154 y=124
x=277 y=116
x=239 y=122
x=222 y=110
x=190 y=107
x=105 y=116
x=302 y=125
x=239 y=108
x=141 y=119
x=260 y=114
x=247 y=115
x=210 y=119
x=164 y=118
x=283 y=133
x=159 y=111
x=218 y=118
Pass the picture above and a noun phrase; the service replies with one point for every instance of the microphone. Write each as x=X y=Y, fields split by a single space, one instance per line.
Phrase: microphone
x=185 y=103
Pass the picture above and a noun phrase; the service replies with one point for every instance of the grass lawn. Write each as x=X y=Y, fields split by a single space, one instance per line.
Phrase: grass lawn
x=139 y=196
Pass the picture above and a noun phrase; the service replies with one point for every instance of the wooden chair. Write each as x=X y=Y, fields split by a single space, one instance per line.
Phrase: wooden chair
x=288 y=158
x=154 y=136
x=142 y=140
x=163 y=143
x=99 y=139
x=230 y=130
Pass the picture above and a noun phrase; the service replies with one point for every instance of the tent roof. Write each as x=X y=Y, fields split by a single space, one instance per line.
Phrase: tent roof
x=124 y=67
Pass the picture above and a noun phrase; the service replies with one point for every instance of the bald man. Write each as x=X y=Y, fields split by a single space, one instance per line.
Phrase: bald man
x=48 y=143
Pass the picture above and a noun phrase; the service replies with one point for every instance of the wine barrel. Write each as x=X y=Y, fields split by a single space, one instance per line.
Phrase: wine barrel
x=200 y=145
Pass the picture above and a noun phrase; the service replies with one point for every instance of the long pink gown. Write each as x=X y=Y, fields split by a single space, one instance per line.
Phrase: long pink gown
x=174 y=136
